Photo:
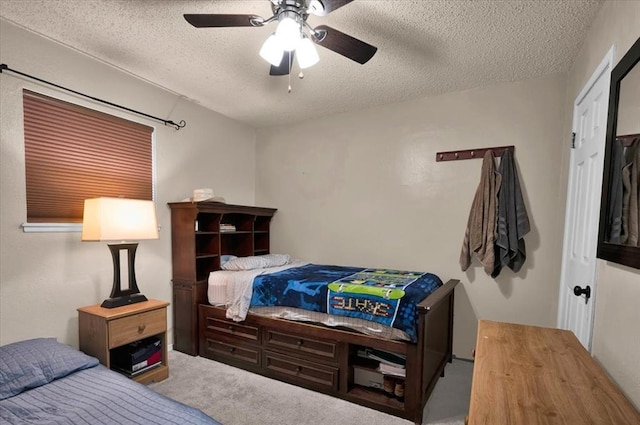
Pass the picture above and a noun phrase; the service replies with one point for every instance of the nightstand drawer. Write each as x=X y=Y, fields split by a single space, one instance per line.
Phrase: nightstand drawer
x=134 y=328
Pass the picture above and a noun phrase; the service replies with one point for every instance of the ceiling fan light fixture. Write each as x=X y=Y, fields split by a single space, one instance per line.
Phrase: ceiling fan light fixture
x=306 y=53
x=293 y=33
x=288 y=30
x=272 y=50
x=316 y=7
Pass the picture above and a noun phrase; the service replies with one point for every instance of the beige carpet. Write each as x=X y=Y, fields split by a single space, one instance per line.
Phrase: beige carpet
x=236 y=397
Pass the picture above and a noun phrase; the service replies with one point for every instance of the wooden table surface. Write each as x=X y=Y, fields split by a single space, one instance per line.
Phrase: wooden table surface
x=531 y=375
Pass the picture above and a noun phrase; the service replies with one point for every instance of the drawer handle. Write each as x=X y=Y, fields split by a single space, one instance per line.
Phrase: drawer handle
x=299 y=343
x=141 y=328
x=298 y=369
x=231 y=328
x=232 y=349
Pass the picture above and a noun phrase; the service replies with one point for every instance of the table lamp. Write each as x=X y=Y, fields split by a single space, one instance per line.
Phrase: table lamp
x=123 y=220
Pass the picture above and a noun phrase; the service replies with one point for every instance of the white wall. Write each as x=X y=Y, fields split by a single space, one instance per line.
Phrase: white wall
x=616 y=334
x=358 y=188
x=364 y=188
x=45 y=277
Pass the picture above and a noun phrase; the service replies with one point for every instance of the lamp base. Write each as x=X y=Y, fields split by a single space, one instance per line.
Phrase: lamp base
x=124 y=300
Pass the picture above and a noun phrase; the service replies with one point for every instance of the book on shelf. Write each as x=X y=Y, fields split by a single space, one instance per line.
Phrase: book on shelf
x=137 y=372
x=137 y=357
x=391 y=359
x=387 y=369
x=224 y=227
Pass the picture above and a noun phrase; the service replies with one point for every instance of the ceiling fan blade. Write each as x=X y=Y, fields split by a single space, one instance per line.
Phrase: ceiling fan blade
x=215 y=20
x=328 y=6
x=285 y=64
x=343 y=44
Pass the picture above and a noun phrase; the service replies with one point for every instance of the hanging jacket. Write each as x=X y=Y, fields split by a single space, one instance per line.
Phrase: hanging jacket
x=479 y=236
x=630 y=201
x=613 y=229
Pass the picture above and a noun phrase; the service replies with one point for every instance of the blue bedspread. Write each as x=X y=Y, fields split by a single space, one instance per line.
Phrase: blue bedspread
x=97 y=396
x=386 y=296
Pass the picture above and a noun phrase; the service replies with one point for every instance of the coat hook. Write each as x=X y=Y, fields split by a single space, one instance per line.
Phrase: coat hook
x=472 y=153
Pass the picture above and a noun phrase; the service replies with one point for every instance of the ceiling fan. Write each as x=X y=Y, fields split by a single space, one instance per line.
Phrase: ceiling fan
x=293 y=34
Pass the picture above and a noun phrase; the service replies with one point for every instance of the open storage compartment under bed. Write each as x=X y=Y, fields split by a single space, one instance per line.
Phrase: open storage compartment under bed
x=324 y=359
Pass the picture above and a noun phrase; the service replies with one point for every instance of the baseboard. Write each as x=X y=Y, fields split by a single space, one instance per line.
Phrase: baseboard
x=462 y=359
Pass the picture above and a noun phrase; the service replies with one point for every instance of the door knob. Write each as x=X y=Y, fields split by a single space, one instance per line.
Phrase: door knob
x=586 y=291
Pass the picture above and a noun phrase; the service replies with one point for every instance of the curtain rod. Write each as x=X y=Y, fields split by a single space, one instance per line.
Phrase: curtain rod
x=177 y=126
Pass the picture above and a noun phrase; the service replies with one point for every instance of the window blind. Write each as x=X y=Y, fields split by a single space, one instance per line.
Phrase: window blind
x=73 y=153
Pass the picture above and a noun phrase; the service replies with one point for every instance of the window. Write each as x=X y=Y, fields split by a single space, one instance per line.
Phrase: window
x=73 y=153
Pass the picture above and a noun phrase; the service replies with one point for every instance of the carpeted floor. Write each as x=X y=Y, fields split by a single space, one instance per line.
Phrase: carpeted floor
x=237 y=397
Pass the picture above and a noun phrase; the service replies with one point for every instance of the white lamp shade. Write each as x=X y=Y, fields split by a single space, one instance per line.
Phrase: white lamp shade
x=271 y=50
x=119 y=219
x=306 y=53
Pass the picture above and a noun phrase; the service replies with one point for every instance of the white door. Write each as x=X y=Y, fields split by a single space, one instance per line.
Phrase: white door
x=578 y=280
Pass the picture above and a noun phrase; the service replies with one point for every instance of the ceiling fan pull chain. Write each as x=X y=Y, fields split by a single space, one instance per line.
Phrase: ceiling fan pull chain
x=289 y=75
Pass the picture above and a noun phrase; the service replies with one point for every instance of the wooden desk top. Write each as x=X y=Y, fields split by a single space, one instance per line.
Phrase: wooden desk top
x=531 y=375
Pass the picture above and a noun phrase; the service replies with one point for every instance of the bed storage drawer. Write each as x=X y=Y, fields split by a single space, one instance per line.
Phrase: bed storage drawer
x=300 y=344
x=226 y=351
x=230 y=328
x=301 y=372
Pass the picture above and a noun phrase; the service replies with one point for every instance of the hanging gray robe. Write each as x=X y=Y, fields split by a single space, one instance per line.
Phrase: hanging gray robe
x=513 y=221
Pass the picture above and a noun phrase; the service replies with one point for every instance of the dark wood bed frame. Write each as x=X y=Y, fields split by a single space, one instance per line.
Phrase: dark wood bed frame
x=323 y=359
x=308 y=355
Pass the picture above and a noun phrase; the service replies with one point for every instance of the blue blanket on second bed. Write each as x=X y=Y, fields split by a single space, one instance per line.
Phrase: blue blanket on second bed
x=386 y=296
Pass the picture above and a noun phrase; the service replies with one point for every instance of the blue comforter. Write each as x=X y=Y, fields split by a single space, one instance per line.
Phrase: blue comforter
x=386 y=296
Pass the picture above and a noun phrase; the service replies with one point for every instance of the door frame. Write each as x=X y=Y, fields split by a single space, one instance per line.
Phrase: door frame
x=605 y=66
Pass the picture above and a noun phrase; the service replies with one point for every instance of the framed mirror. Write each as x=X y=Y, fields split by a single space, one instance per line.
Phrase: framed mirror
x=618 y=235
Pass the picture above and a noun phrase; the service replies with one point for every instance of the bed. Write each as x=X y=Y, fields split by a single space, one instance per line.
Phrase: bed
x=309 y=325
x=44 y=381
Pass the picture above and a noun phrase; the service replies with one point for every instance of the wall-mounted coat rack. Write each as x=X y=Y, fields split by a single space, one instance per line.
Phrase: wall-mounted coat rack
x=472 y=153
x=628 y=139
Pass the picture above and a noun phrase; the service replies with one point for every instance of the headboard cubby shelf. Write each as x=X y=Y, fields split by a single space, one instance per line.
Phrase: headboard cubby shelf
x=200 y=233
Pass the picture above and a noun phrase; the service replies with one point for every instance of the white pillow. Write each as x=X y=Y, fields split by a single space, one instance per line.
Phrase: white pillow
x=275 y=260
x=256 y=262
x=225 y=258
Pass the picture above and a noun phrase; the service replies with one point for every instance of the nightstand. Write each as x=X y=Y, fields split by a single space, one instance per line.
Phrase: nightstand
x=104 y=329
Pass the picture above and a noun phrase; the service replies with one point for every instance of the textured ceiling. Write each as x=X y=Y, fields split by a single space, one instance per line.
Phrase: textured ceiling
x=424 y=48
